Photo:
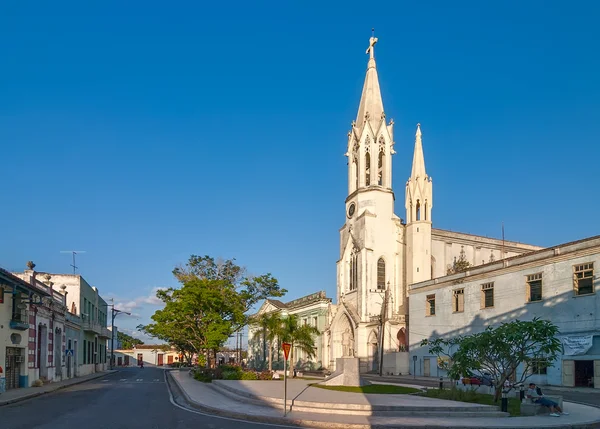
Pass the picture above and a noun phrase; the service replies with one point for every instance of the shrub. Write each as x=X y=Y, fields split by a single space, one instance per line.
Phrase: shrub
x=265 y=375
x=202 y=376
x=249 y=375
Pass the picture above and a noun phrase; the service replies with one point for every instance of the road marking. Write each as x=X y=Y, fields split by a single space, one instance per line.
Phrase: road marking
x=104 y=380
x=123 y=379
x=156 y=379
x=140 y=379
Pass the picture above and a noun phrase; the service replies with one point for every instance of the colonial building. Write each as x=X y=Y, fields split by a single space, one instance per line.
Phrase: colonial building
x=88 y=352
x=311 y=310
x=32 y=341
x=151 y=354
x=556 y=284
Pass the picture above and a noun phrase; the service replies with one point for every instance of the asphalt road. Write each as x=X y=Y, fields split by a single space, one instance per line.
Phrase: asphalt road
x=128 y=399
x=588 y=397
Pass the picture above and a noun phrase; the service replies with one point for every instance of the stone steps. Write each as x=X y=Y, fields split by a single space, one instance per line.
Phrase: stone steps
x=357 y=409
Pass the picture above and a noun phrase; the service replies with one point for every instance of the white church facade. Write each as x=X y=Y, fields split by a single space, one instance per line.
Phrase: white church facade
x=382 y=254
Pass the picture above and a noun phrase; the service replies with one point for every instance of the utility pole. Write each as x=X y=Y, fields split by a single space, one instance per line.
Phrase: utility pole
x=382 y=320
x=114 y=312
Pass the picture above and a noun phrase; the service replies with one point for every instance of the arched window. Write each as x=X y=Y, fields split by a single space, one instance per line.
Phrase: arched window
x=425 y=210
x=367 y=169
x=418 y=210
x=380 y=274
x=353 y=271
x=355 y=171
x=380 y=163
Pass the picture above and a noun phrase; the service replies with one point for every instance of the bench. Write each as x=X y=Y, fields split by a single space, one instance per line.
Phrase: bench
x=529 y=408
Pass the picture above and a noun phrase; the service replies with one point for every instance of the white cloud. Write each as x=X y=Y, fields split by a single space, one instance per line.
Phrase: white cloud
x=139 y=302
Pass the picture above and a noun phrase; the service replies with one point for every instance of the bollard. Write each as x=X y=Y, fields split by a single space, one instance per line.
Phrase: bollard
x=521 y=393
x=441 y=383
x=504 y=403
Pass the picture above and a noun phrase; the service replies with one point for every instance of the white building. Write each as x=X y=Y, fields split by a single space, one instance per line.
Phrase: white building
x=556 y=284
x=158 y=355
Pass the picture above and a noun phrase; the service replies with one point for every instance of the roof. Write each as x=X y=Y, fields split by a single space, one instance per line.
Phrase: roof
x=16 y=281
x=371 y=103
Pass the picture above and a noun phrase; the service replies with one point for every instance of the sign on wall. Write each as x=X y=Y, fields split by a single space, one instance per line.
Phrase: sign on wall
x=577 y=345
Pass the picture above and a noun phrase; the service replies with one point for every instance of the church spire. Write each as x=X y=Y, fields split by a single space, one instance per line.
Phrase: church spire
x=371 y=104
x=418 y=165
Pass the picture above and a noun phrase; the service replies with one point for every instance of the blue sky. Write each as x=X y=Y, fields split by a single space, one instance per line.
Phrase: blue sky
x=143 y=132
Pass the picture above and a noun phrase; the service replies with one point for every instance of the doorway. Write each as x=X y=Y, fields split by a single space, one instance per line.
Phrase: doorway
x=426 y=367
x=126 y=360
x=160 y=359
x=140 y=358
x=584 y=373
x=170 y=359
x=13 y=367
x=43 y=351
x=69 y=359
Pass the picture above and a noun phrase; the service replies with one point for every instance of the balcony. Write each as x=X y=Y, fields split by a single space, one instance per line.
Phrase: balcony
x=19 y=321
x=96 y=328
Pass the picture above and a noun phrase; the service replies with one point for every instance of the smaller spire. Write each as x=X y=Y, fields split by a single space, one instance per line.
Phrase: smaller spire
x=418 y=166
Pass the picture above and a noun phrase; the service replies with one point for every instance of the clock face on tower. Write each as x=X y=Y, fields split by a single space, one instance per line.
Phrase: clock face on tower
x=351 y=209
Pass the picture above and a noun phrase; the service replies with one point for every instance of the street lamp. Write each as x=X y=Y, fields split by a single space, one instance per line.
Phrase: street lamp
x=112 y=339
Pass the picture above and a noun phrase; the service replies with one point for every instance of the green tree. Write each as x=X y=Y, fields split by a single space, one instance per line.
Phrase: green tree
x=127 y=341
x=499 y=351
x=211 y=304
x=301 y=337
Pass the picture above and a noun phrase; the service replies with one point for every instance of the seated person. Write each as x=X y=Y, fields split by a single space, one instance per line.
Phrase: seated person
x=537 y=397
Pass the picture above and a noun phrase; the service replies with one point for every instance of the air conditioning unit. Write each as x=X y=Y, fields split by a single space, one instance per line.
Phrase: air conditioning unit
x=18 y=359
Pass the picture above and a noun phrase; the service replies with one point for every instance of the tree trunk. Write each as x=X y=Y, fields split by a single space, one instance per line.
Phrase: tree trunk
x=498 y=393
x=270 y=357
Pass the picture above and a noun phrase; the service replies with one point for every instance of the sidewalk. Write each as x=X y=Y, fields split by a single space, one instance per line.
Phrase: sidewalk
x=21 y=394
x=209 y=399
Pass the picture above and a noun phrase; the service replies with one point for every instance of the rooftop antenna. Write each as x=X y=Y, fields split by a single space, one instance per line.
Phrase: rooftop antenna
x=503 y=251
x=74 y=252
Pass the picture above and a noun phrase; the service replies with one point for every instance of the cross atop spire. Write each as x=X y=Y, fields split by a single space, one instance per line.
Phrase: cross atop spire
x=371 y=105
x=371 y=48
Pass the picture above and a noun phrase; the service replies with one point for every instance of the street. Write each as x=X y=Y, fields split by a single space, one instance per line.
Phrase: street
x=130 y=398
x=582 y=396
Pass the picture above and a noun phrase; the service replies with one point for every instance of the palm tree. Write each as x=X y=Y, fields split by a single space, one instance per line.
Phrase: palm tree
x=274 y=325
x=271 y=325
x=301 y=337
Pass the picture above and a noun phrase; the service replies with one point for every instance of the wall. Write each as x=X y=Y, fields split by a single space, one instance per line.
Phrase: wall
x=447 y=245
x=571 y=313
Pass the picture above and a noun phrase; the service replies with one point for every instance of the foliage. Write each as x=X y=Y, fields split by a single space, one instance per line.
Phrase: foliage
x=249 y=375
x=498 y=351
x=371 y=388
x=459 y=265
x=300 y=337
x=272 y=329
x=265 y=375
x=209 y=306
x=514 y=405
x=127 y=341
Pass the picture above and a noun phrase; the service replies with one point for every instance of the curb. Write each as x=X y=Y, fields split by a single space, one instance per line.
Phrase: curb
x=173 y=384
x=260 y=419
x=64 y=386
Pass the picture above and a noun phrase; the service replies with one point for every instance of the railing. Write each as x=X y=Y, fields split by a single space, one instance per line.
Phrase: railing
x=96 y=328
x=19 y=320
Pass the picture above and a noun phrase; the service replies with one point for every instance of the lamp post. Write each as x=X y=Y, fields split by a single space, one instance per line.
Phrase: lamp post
x=112 y=339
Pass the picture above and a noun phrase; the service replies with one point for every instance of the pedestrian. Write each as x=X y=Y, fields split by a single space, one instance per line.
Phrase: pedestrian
x=537 y=397
x=142 y=364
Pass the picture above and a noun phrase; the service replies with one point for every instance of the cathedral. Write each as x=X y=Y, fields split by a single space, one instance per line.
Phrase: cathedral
x=381 y=253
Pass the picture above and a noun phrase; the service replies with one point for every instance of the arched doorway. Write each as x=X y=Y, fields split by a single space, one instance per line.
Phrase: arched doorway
x=401 y=337
x=342 y=339
x=373 y=348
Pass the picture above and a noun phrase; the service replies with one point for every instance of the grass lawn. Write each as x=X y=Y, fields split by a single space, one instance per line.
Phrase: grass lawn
x=371 y=388
x=514 y=405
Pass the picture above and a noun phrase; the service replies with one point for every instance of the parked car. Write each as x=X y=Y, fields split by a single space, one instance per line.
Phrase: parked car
x=478 y=380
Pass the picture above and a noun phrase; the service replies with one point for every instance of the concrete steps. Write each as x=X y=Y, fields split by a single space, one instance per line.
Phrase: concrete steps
x=357 y=409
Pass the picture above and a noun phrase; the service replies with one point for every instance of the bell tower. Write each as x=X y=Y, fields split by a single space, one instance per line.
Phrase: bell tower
x=368 y=254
